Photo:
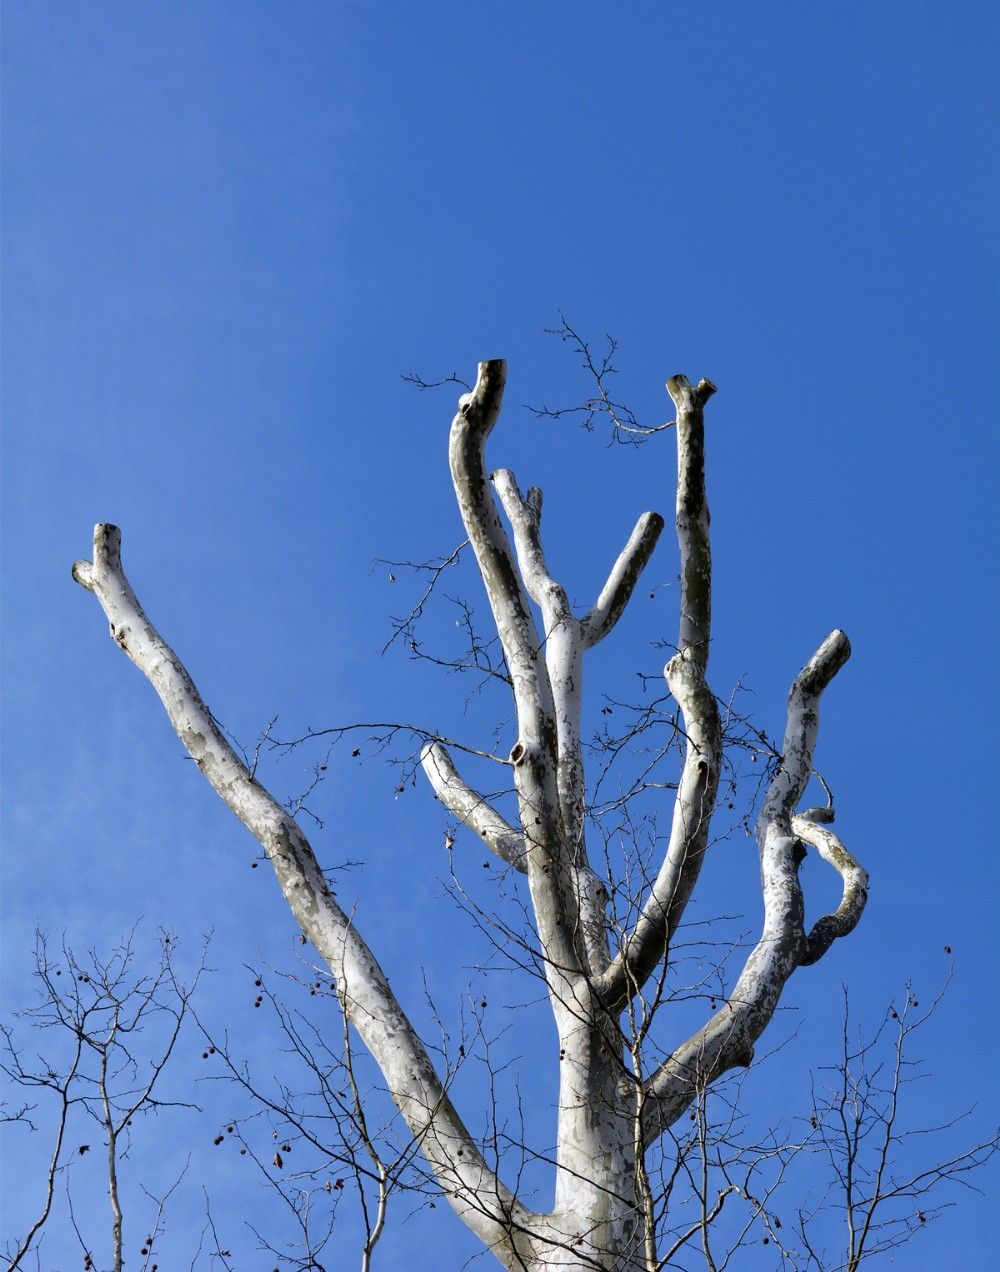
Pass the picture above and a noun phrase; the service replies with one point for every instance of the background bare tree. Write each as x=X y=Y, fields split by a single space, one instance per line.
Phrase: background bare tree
x=108 y=1027
x=886 y=1174
x=314 y=1134
x=821 y=1190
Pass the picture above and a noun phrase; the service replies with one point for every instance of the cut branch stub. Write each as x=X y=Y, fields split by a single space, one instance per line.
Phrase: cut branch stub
x=693 y=518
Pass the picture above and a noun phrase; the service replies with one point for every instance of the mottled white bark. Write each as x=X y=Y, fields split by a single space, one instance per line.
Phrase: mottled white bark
x=594 y=1206
x=854 y=878
x=728 y=1039
x=646 y=945
x=608 y=1112
x=472 y=1188
x=471 y=808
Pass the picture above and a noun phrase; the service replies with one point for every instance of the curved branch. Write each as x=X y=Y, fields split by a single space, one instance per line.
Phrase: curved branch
x=855 y=879
x=727 y=1040
x=535 y=756
x=472 y=425
x=661 y=913
x=370 y=1004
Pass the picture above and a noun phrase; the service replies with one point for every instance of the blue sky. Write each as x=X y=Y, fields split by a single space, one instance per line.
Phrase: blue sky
x=231 y=227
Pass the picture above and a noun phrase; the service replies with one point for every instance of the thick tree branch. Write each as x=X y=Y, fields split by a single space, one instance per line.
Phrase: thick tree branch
x=795 y=768
x=471 y=808
x=693 y=518
x=471 y=1187
x=535 y=755
x=694 y=805
x=562 y=650
x=472 y=425
x=524 y=512
x=727 y=1040
x=564 y=647
x=569 y=899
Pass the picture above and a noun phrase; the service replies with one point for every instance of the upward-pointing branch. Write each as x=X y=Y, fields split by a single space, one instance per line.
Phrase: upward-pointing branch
x=535 y=755
x=522 y=646
x=728 y=1039
x=694 y=805
x=564 y=648
x=693 y=518
x=470 y=1185
x=617 y=591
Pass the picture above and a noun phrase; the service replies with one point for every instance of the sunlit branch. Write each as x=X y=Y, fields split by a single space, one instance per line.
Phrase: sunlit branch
x=617 y=591
x=372 y=1007
x=471 y=808
x=728 y=1039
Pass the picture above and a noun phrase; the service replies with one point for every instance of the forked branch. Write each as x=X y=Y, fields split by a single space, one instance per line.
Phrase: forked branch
x=728 y=1039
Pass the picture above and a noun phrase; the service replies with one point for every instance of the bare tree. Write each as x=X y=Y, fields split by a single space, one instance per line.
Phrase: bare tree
x=604 y=977
x=881 y=1188
x=110 y=1029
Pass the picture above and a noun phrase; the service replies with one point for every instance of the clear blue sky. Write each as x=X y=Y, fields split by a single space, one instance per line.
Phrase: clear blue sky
x=230 y=227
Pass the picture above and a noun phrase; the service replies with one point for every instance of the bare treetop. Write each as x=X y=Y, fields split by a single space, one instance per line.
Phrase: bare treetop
x=617 y=1099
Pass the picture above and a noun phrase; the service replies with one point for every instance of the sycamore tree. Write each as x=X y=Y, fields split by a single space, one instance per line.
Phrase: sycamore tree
x=603 y=929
